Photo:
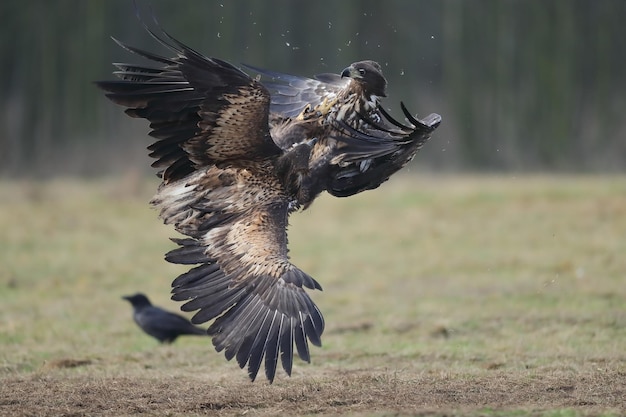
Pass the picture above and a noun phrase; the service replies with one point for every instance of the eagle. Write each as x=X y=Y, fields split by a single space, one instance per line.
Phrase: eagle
x=237 y=155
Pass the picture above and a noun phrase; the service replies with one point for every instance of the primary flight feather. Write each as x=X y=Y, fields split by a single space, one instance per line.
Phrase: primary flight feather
x=237 y=156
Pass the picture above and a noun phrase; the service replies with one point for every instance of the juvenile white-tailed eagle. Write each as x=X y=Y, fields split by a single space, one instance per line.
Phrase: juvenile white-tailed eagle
x=238 y=155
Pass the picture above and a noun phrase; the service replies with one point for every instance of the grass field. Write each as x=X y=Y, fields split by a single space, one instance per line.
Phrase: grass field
x=477 y=296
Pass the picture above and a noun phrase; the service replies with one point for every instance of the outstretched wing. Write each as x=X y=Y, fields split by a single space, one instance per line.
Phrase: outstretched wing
x=220 y=189
x=369 y=156
x=236 y=220
x=292 y=94
x=201 y=110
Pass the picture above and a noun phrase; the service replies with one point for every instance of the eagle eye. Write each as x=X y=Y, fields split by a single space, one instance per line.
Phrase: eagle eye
x=361 y=71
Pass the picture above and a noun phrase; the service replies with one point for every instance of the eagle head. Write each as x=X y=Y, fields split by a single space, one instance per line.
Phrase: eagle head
x=369 y=75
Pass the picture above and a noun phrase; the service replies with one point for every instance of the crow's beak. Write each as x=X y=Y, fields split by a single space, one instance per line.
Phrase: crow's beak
x=346 y=72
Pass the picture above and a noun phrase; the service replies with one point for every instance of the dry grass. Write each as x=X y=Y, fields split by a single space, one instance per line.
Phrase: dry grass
x=444 y=296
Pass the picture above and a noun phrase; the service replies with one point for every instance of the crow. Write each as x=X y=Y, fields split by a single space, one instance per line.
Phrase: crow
x=158 y=323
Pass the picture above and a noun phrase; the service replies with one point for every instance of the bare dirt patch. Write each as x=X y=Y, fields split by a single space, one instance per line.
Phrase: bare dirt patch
x=66 y=363
x=346 y=392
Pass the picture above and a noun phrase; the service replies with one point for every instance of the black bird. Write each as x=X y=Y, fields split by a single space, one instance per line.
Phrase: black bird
x=158 y=323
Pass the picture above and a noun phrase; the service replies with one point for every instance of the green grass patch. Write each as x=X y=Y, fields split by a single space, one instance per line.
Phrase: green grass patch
x=478 y=296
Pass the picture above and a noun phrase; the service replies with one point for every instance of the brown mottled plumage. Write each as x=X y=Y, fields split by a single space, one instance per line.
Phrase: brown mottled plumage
x=237 y=156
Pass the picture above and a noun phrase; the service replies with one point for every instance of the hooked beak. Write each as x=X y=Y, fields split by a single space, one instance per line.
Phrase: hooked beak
x=346 y=72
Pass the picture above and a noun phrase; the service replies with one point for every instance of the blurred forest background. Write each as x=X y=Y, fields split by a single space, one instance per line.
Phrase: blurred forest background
x=521 y=85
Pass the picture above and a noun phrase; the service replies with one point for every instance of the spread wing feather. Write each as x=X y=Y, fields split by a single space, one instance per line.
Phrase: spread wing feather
x=236 y=221
x=370 y=156
x=202 y=110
